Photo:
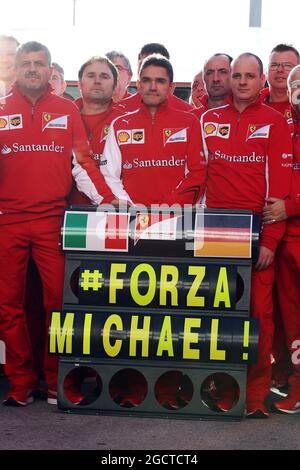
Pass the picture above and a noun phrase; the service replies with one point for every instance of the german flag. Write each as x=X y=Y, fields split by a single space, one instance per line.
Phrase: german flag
x=223 y=235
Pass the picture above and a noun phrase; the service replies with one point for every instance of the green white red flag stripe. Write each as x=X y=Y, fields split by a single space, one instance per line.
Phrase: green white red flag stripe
x=95 y=231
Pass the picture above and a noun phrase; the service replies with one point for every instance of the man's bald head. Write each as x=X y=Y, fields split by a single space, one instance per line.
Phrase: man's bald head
x=294 y=75
x=293 y=83
x=216 y=75
x=249 y=55
x=247 y=80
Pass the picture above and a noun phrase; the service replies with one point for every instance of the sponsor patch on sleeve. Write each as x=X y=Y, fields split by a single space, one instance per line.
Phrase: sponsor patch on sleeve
x=4 y=123
x=138 y=136
x=258 y=131
x=10 y=122
x=174 y=135
x=210 y=129
x=104 y=133
x=54 y=121
x=213 y=129
x=223 y=131
x=15 y=121
x=288 y=116
x=124 y=137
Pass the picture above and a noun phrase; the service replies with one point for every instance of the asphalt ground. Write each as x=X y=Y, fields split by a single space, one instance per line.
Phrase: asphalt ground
x=41 y=426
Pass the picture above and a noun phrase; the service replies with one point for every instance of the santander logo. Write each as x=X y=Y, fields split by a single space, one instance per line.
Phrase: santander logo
x=6 y=150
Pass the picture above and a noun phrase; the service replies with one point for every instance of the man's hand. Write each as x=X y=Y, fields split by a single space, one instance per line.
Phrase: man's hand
x=274 y=211
x=120 y=202
x=265 y=258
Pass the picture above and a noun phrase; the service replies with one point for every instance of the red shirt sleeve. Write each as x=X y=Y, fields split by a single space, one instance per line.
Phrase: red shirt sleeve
x=278 y=175
x=192 y=186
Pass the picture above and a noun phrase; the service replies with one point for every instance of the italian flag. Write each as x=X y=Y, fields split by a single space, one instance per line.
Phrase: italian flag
x=95 y=231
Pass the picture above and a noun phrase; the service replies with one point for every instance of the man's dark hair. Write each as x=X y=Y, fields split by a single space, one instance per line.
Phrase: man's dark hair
x=154 y=48
x=230 y=59
x=102 y=60
x=112 y=55
x=158 y=61
x=259 y=61
x=286 y=48
x=60 y=70
x=32 y=46
x=3 y=37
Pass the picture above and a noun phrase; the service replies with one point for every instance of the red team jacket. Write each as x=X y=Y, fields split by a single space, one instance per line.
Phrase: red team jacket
x=292 y=204
x=249 y=158
x=198 y=112
x=97 y=127
x=36 y=144
x=283 y=107
x=154 y=161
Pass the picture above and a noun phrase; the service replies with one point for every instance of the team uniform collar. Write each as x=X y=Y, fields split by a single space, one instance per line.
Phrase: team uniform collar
x=160 y=109
x=79 y=104
x=251 y=106
x=48 y=93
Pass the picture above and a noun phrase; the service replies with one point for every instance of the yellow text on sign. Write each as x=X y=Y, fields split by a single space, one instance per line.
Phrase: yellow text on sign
x=145 y=281
x=137 y=342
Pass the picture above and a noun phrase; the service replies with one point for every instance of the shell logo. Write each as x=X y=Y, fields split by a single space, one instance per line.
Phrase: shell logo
x=210 y=129
x=123 y=137
x=3 y=123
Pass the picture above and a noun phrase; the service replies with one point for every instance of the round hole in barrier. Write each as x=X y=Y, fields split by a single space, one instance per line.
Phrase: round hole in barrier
x=173 y=390
x=74 y=282
x=240 y=287
x=128 y=388
x=82 y=386
x=220 y=392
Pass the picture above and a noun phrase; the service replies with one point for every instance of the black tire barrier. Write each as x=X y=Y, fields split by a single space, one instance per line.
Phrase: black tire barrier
x=146 y=397
x=156 y=309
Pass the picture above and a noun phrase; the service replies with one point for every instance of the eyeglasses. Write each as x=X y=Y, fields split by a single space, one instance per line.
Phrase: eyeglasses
x=285 y=65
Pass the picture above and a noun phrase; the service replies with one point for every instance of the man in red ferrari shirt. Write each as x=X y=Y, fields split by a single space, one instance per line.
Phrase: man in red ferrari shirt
x=57 y=80
x=249 y=155
x=216 y=76
x=122 y=64
x=39 y=131
x=8 y=47
x=282 y=59
x=154 y=155
x=133 y=102
x=197 y=90
x=288 y=258
x=97 y=80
